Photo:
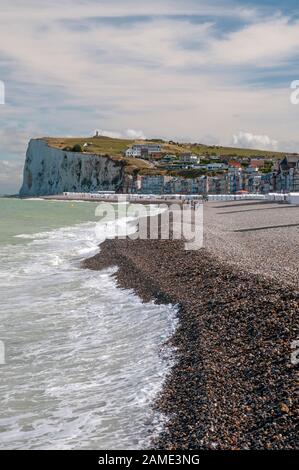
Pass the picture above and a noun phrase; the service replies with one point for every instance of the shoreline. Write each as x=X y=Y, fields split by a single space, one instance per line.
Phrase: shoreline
x=114 y=200
x=233 y=385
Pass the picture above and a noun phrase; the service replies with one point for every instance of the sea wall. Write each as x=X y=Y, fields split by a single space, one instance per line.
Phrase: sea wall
x=50 y=170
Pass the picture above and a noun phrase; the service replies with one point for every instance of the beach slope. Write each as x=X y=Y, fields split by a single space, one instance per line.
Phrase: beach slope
x=234 y=384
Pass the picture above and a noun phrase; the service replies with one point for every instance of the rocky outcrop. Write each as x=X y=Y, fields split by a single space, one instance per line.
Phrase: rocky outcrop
x=50 y=170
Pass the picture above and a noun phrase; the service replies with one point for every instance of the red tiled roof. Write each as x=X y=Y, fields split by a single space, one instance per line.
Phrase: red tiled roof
x=235 y=164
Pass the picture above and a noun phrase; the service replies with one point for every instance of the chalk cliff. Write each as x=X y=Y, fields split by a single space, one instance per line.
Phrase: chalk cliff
x=50 y=170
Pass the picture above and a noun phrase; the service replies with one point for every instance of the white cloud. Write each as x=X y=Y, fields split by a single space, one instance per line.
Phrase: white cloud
x=253 y=141
x=14 y=140
x=263 y=43
x=133 y=134
x=128 y=134
x=10 y=176
x=13 y=144
x=119 y=8
x=172 y=78
x=111 y=134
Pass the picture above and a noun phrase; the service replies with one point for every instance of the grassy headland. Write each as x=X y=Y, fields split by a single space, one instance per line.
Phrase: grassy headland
x=101 y=144
x=115 y=148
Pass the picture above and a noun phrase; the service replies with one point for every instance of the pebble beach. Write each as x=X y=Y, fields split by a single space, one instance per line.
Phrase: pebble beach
x=233 y=384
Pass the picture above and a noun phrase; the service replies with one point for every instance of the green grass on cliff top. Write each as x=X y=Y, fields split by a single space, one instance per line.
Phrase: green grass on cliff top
x=116 y=147
x=99 y=145
x=104 y=146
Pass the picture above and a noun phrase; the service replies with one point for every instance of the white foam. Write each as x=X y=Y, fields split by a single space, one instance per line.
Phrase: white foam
x=83 y=357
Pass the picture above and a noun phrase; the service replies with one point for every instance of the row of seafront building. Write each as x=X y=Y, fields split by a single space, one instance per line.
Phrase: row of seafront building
x=230 y=182
x=229 y=177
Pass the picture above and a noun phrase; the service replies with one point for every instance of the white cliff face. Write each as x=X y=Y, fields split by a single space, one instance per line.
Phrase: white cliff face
x=49 y=170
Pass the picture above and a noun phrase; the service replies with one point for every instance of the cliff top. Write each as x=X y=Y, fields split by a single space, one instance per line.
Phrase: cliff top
x=115 y=147
x=103 y=146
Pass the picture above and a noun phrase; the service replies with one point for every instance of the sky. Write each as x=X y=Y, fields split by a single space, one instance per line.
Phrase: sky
x=216 y=72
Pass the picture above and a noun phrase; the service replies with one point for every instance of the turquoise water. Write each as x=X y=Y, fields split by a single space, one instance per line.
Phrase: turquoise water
x=83 y=360
x=25 y=216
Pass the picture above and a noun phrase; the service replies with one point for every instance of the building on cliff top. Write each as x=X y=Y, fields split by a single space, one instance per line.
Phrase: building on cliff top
x=143 y=150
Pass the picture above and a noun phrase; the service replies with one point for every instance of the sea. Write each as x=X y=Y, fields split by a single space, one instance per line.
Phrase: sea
x=81 y=360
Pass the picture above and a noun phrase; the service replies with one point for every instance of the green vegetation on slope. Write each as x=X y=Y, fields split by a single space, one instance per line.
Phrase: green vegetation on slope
x=115 y=148
x=107 y=145
x=98 y=145
x=230 y=152
x=102 y=146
